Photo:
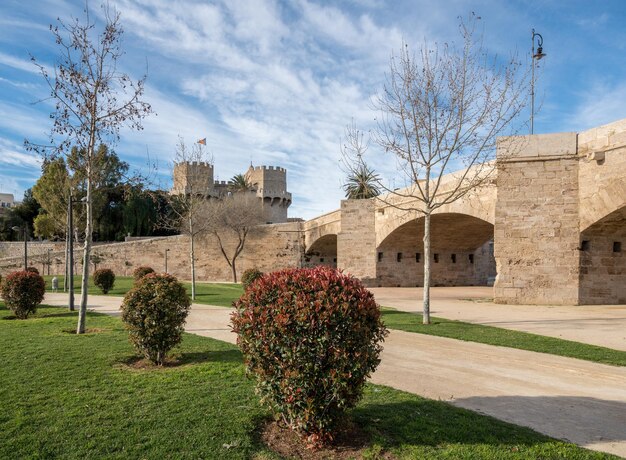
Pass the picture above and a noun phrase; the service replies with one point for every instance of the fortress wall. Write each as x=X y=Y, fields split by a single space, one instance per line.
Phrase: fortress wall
x=356 y=243
x=537 y=222
x=276 y=247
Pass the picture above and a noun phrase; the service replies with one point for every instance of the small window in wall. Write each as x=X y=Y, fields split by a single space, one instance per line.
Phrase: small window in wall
x=335 y=260
x=418 y=256
x=321 y=259
x=380 y=256
x=399 y=257
x=453 y=257
x=584 y=246
x=617 y=246
x=471 y=258
x=436 y=257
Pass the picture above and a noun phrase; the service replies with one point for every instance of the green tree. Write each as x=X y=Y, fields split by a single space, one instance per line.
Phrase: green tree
x=239 y=183
x=52 y=191
x=45 y=226
x=362 y=183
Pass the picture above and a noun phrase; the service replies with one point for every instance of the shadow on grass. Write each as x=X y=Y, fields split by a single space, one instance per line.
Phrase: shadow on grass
x=182 y=359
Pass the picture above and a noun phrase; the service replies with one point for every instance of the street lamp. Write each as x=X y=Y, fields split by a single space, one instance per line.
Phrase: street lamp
x=49 y=262
x=166 y=251
x=70 y=261
x=17 y=229
x=535 y=57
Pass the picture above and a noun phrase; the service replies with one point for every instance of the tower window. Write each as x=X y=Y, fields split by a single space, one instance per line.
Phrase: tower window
x=584 y=246
x=617 y=246
x=399 y=257
x=453 y=257
x=471 y=258
x=380 y=256
x=321 y=259
x=418 y=256
x=436 y=257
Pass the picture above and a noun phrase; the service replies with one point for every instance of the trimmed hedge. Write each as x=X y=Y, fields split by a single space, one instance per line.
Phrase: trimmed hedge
x=249 y=276
x=142 y=271
x=104 y=278
x=311 y=337
x=154 y=312
x=22 y=292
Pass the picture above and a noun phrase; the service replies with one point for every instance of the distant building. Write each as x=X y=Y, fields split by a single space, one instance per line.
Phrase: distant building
x=6 y=201
x=268 y=183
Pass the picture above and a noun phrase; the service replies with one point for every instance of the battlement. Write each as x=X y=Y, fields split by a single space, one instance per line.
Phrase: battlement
x=268 y=168
x=203 y=164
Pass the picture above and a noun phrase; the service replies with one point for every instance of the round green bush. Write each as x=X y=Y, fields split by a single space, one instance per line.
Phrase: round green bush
x=249 y=276
x=311 y=337
x=104 y=278
x=22 y=292
x=142 y=271
x=154 y=312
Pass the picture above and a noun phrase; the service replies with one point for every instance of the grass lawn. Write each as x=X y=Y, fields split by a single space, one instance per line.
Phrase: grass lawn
x=223 y=294
x=68 y=396
x=220 y=294
x=412 y=322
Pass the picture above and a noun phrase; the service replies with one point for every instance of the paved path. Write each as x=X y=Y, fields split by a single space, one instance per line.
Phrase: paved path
x=570 y=399
x=603 y=325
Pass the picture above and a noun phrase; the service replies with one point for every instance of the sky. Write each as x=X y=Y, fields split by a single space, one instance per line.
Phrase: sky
x=273 y=82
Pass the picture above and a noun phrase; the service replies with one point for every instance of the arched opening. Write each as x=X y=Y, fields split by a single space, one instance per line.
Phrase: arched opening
x=461 y=253
x=603 y=260
x=322 y=252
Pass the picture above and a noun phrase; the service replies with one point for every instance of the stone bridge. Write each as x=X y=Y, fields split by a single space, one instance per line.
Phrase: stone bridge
x=549 y=227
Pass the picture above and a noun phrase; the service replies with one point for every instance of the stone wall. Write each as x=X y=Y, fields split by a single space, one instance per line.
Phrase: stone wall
x=356 y=242
x=271 y=247
x=537 y=221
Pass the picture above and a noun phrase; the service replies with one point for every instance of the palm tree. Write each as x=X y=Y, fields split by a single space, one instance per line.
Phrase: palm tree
x=239 y=183
x=362 y=184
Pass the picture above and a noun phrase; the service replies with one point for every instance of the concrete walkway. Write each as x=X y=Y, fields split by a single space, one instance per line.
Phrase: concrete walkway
x=569 y=399
x=603 y=325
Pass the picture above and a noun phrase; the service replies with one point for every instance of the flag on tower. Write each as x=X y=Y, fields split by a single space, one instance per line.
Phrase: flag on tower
x=202 y=141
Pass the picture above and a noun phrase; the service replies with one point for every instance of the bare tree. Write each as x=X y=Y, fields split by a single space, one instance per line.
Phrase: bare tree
x=441 y=111
x=189 y=197
x=93 y=100
x=230 y=220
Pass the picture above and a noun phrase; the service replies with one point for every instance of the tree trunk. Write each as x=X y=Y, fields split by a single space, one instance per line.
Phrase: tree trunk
x=426 y=317
x=193 y=268
x=234 y=269
x=84 y=285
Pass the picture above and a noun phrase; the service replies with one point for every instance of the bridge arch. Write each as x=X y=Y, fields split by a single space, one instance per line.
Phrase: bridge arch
x=322 y=251
x=461 y=252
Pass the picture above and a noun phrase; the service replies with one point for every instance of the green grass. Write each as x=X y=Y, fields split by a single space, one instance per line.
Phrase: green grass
x=412 y=322
x=70 y=397
x=220 y=294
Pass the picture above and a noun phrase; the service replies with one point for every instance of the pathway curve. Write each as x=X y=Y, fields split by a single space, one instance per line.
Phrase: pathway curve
x=603 y=325
x=569 y=399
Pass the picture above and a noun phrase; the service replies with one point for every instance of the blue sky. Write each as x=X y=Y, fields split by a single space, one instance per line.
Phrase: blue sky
x=276 y=82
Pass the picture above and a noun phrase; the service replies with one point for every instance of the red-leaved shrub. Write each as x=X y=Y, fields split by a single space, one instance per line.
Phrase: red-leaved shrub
x=22 y=292
x=154 y=312
x=311 y=337
x=104 y=278
x=249 y=276
x=142 y=271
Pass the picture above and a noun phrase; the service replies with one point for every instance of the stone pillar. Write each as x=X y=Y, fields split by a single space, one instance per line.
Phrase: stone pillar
x=537 y=220
x=356 y=242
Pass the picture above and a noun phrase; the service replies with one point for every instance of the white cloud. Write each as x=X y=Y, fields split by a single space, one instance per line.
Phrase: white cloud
x=600 y=104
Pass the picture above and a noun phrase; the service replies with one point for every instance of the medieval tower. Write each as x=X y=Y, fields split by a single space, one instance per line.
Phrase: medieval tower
x=268 y=183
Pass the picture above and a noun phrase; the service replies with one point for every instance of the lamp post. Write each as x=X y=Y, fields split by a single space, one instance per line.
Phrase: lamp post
x=49 y=262
x=535 y=57
x=25 y=228
x=166 y=251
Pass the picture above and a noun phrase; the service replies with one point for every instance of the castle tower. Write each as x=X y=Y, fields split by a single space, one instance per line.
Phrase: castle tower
x=270 y=185
x=194 y=177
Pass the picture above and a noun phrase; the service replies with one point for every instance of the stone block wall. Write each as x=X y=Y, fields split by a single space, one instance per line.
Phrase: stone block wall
x=537 y=222
x=356 y=242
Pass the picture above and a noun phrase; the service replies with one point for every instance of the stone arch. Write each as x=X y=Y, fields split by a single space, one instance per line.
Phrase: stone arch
x=603 y=260
x=462 y=252
x=323 y=251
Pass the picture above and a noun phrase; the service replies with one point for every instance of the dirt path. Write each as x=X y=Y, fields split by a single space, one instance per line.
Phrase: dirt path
x=581 y=402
